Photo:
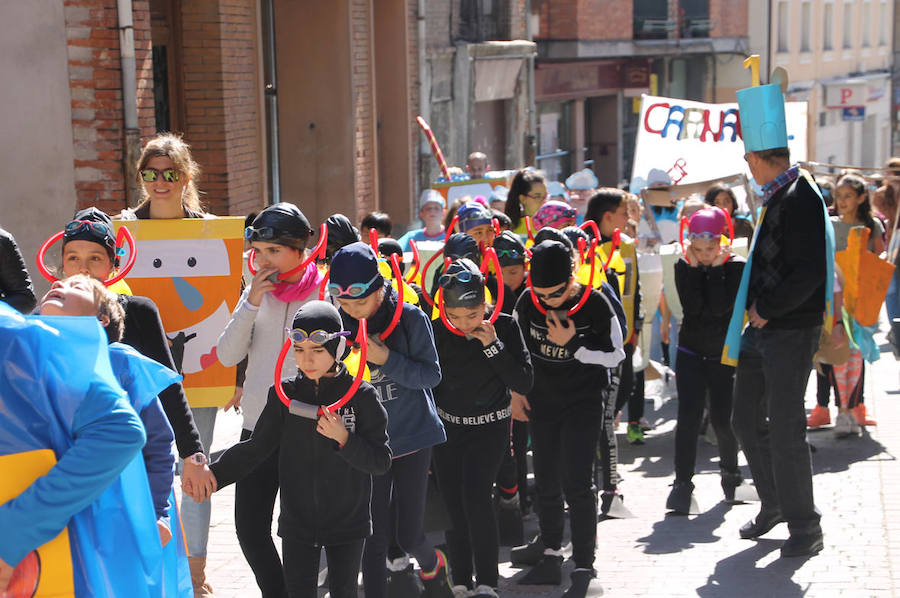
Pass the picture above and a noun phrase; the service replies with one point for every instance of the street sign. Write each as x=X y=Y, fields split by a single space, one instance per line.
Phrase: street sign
x=853 y=114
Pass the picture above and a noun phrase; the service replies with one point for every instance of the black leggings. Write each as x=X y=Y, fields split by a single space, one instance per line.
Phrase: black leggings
x=467 y=466
x=694 y=376
x=402 y=489
x=563 y=449
x=301 y=568
x=608 y=448
x=630 y=391
x=254 y=501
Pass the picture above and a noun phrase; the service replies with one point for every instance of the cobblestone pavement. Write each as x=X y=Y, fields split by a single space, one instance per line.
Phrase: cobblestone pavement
x=857 y=488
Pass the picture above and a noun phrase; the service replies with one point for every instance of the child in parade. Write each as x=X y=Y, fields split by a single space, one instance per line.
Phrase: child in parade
x=555 y=214
x=527 y=193
x=431 y=211
x=851 y=201
x=609 y=209
x=279 y=237
x=476 y=220
x=573 y=344
x=479 y=368
x=341 y=232
x=405 y=368
x=511 y=255
x=81 y=295
x=325 y=464
x=707 y=279
x=379 y=221
x=67 y=401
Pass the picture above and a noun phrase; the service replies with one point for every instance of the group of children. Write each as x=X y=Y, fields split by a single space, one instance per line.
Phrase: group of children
x=520 y=336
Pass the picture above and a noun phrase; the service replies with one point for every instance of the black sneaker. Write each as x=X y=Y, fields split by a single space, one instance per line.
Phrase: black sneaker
x=547 y=572
x=403 y=583
x=438 y=585
x=584 y=584
x=528 y=554
x=802 y=545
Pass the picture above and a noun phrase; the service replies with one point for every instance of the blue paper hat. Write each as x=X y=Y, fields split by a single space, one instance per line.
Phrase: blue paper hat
x=583 y=180
x=763 y=123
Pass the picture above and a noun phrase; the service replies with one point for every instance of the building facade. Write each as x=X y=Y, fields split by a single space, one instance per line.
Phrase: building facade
x=595 y=59
x=839 y=56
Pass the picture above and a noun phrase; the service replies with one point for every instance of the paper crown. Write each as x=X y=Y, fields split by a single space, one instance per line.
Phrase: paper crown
x=583 y=179
x=557 y=189
x=763 y=123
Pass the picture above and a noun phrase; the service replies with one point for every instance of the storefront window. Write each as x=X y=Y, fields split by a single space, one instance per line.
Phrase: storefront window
x=554 y=143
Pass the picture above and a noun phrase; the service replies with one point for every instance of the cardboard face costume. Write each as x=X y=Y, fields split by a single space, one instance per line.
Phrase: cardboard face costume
x=191 y=269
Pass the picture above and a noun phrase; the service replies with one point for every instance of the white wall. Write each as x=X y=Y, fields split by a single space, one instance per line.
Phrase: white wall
x=36 y=159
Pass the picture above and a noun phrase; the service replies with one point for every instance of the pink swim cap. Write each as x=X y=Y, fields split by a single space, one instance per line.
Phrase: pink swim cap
x=707 y=223
x=553 y=213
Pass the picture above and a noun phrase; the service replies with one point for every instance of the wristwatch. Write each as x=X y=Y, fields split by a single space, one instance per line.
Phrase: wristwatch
x=198 y=459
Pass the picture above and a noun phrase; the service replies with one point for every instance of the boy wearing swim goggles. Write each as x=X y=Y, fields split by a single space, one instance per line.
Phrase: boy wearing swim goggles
x=404 y=368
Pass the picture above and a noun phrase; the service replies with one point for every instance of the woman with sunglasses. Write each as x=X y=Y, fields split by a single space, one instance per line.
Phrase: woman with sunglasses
x=404 y=367
x=480 y=366
x=167 y=174
x=574 y=340
x=282 y=284
x=327 y=458
x=707 y=280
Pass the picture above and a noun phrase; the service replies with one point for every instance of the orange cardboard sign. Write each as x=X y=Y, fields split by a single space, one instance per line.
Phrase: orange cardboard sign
x=191 y=269
x=866 y=277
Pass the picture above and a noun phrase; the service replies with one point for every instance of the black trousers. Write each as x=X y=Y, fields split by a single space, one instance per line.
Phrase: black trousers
x=631 y=391
x=770 y=420
x=563 y=448
x=608 y=448
x=301 y=568
x=467 y=466
x=254 y=501
x=695 y=376
x=398 y=512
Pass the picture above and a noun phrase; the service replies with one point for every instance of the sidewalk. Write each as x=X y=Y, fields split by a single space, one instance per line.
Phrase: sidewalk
x=857 y=488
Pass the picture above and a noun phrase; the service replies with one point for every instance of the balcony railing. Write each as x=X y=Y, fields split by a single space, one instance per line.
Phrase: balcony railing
x=645 y=28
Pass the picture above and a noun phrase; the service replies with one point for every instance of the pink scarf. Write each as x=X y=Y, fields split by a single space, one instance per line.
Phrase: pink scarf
x=300 y=290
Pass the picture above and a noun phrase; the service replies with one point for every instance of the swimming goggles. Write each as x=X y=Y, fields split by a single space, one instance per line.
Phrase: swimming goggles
x=462 y=276
x=317 y=337
x=354 y=290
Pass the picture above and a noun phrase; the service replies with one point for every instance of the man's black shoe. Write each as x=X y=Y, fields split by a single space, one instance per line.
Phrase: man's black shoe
x=761 y=525
x=528 y=554
x=548 y=572
x=803 y=545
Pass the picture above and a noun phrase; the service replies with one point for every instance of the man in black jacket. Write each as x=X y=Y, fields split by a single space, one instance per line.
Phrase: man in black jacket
x=787 y=274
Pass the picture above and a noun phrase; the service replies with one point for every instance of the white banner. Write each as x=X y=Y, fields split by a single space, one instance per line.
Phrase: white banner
x=680 y=141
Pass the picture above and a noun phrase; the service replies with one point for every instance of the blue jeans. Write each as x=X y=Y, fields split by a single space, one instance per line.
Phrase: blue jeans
x=195 y=516
x=770 y=420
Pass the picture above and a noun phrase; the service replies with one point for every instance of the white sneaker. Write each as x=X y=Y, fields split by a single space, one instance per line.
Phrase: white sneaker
x=484 y=592
x=461 y=592
x=845 y=425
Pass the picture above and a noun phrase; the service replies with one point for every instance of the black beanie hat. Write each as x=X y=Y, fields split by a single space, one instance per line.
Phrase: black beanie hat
x=321 y=315
x=457 y=293
x=548 y=233
x=341 y=233
x=462 y=245
x=551 y=264
x=354 y=264
x=510 y=249
x=290 y=226
x=108 y=241
x=573 y=233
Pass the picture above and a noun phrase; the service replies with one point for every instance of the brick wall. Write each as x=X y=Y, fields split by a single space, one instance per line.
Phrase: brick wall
x=583 y=19
x=95 y=81
x=439 y=24
x=221 y=121
x=729 y=18
x=363 y=106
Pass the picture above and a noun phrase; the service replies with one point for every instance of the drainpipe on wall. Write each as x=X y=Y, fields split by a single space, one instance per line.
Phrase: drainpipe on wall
x=271 y=96
x=531 y=134
x=424 y=107
x=132 y=147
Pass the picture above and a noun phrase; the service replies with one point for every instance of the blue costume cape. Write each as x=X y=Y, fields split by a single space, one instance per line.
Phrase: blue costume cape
x=732 y=348
x=54 y=373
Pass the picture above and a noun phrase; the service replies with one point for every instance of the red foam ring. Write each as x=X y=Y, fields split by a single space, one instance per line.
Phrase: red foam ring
x=362 y=340
x=324 y=285
x=613 y=246
x=528 y=228
x=425 y=294
x=451 y=228
x=417 y=262
x=730 y=226
x=398 y=276
x=589 y=286
x=684 y=222
x=590 y=224
x=534 y=298
x=373 y=240
x=498 y=300
x=496 y=222
x=582 y=246
x=444 y=318
x=279 y=363
x=42 y=253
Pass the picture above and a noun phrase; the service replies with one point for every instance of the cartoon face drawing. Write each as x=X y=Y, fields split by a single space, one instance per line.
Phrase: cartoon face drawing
x=191 y=269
